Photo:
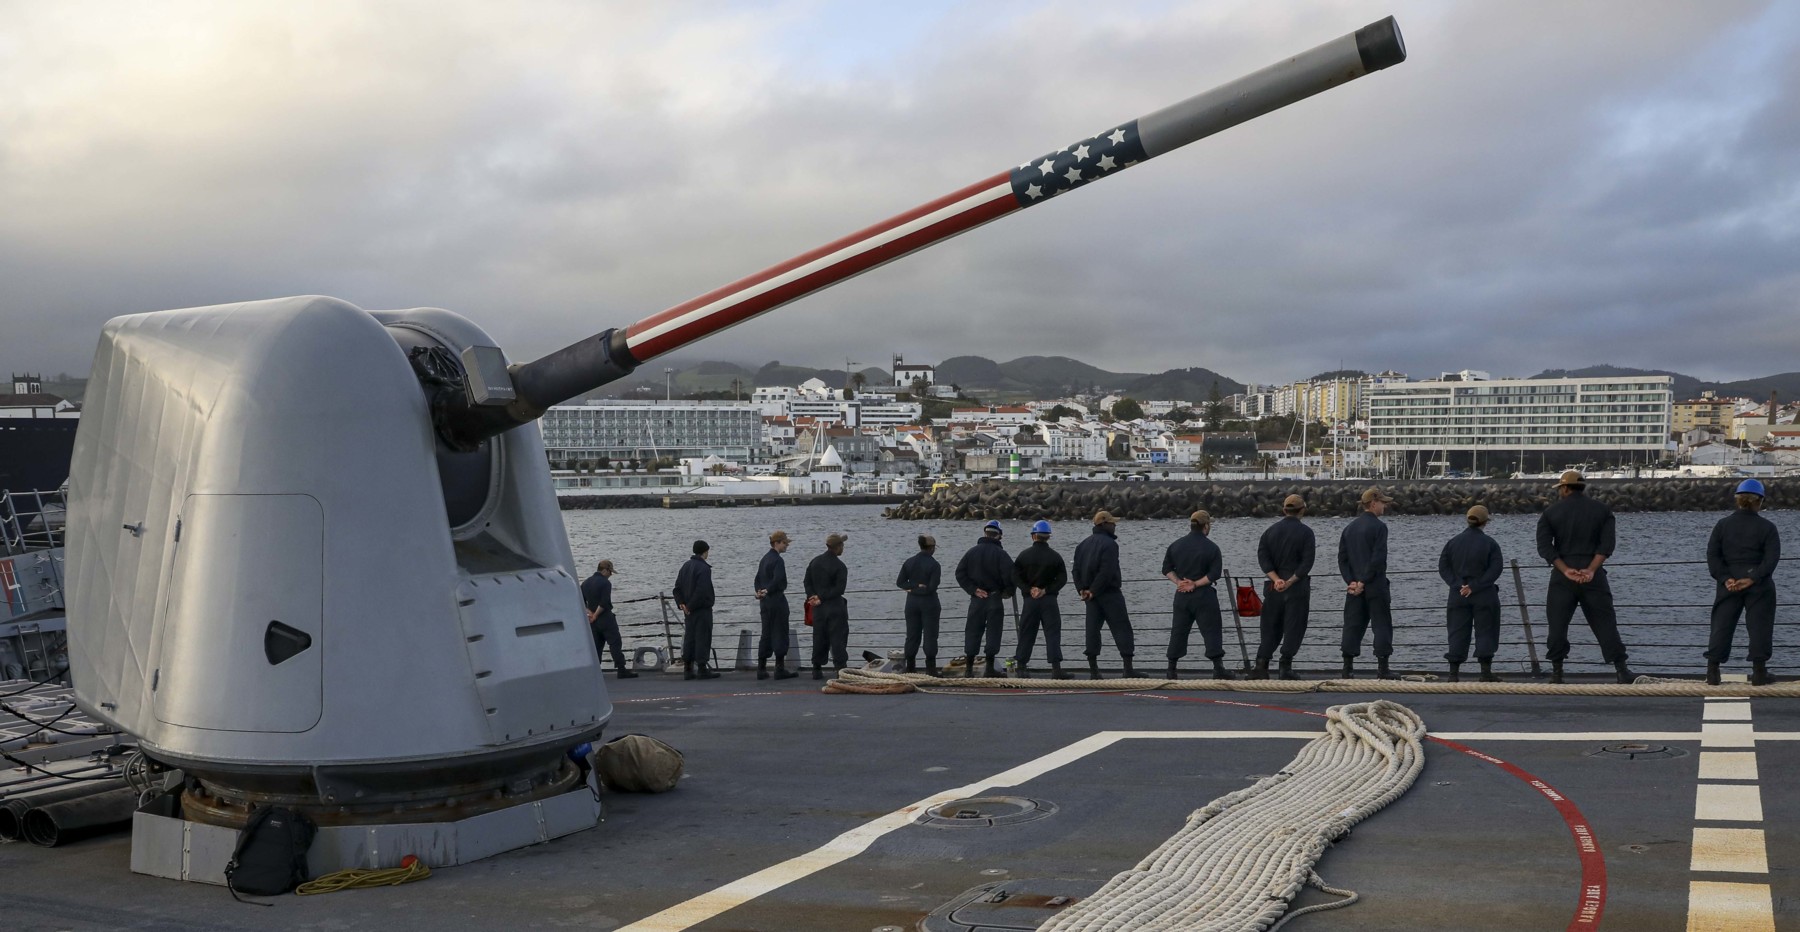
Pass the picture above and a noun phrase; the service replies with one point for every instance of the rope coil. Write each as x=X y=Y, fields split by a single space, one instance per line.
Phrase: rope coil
x=1239 y=861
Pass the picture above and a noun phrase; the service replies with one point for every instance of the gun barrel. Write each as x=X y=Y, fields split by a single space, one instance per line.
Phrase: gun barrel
x=613 y=354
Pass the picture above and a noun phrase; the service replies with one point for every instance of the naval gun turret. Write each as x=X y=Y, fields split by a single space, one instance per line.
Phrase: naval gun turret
x=314 y=552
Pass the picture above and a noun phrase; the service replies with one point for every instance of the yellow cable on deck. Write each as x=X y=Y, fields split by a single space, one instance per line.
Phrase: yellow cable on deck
x=364 y=877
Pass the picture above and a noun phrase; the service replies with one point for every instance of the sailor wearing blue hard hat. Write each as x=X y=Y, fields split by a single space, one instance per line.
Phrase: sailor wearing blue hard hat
x=1041 y=574
x=986 y=574
x=1742 y=555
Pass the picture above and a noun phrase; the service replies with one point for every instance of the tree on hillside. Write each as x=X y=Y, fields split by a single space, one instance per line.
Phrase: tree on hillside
x=1266 y=462
x=1127 y=409
x=858 y=381
x=1208 y=464
x=1182 y=415
x=1058 y=412
x=1217 y=411
x=920 y=387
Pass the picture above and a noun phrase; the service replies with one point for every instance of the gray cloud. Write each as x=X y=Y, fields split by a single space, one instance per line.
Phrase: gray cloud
x=1540 y=185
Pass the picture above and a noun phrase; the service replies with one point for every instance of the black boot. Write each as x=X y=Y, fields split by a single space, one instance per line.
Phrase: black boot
x=969 y=668
x=1487 y=670
x=1287 y=669
x=1381 y=670
x=911 y=667
x=625 y=672
x=931 y=667
x=782 y=672
x=1456 y=673
x=1261 y=672
x=762 y=669
x=1712 y=674
x=818 y=674
x=1760 y=676
x=1093 y=668
x=987 y=668
x=1056 y=671
x=1349 y=670
x=1172 y=675
x=687 y=671
x=1024 y=671
x=1219 y=671
x=708 y=673
x=1556 y=672
x=1625 y=674
x=1130 y=673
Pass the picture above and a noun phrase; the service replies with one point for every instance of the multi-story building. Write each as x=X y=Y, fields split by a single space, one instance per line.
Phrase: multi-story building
x=646 y=430
x=1471 y=423
x=1712 y=413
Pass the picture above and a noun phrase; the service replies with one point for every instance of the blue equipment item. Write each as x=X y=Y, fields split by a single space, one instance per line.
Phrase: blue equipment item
x=993 y=526
x=1042 y=527
x=1750 y=487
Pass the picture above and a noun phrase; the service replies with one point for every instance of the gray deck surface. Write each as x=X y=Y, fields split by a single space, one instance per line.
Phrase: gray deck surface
x=776 y=770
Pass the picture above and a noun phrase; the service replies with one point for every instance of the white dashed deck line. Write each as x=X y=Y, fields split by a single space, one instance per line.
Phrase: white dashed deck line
x=1727 y=735
x=1728 y=711
x=1728 y=765
x=1728 y=802
x=1730 y=907
x=1730 y=850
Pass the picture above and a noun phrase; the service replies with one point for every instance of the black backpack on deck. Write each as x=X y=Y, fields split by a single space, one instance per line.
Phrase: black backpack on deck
x=271 y=853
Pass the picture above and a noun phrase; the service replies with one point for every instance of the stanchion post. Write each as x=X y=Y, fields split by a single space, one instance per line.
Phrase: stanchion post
x=1237 y=620
x=668 y=637
x=1525 y=619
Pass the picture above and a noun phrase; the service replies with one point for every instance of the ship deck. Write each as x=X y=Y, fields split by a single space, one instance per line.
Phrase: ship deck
x=794 y=816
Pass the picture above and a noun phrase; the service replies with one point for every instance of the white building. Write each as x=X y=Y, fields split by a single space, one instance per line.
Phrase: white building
x=906 y=374
x=645 y=430
x=1614 y=419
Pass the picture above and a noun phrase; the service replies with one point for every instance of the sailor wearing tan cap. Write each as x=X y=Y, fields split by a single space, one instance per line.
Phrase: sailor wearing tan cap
x=771 y=595
x=1194 y=565
x=1470 y=565
x=1285 y=554
x=1098 y=581
x=1575 y=536
x=1362 y=561
x=825 y=581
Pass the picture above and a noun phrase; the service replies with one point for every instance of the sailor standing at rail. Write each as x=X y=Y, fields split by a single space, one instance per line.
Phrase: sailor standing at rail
x=1041 y=573
x=596 y=594
x=771 y=597
x=1099 y=582
x=1470 y=565
x=986 y=573
x=826 y=579
x=1362 y=561
x=1194 y=565
x=1742 y=554
x=694 y=596
x=919 y=576
x=1285 y=554
x=1575 y=536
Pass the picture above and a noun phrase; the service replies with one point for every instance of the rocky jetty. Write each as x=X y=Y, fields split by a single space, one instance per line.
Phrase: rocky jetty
x=1262 y=498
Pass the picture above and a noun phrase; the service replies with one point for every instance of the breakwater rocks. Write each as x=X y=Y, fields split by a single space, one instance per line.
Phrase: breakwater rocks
x=633 y=500
x=1262 y=499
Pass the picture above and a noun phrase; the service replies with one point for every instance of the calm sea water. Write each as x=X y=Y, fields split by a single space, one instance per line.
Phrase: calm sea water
x=1663 y=609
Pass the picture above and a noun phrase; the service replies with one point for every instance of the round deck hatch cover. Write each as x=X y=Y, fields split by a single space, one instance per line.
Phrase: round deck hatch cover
x=986 y=812
x=1638 y=751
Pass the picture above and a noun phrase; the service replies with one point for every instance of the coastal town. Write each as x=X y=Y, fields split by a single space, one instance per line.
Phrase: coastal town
x=891 y=431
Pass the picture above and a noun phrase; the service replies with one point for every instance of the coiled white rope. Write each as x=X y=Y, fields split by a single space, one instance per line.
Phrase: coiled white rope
x=1240 y=861
x=1643 y=686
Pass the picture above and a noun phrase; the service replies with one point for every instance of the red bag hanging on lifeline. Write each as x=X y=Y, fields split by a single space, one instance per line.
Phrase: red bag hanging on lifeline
x=809 y=608
x=1249 y=606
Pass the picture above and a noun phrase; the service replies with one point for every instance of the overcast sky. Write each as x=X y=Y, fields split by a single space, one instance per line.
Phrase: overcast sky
x=1539 y=185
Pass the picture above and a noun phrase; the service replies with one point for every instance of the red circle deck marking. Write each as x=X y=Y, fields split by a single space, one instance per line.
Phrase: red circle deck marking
x=1593 y=864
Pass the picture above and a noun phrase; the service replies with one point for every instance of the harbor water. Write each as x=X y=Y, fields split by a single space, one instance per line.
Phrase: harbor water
x=1658 y=574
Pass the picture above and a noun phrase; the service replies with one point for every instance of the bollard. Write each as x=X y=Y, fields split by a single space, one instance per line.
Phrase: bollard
x=746 y=650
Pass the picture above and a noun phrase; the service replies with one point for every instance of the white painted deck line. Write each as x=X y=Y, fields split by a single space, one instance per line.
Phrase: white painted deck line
x=1727 y=711
x=1728 y=765
x=1727 y=735
x=1730 y=907
x=1728 y=802
x=1730 y=850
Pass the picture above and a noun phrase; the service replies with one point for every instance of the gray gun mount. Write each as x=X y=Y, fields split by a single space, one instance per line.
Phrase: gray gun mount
x=301 y=579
